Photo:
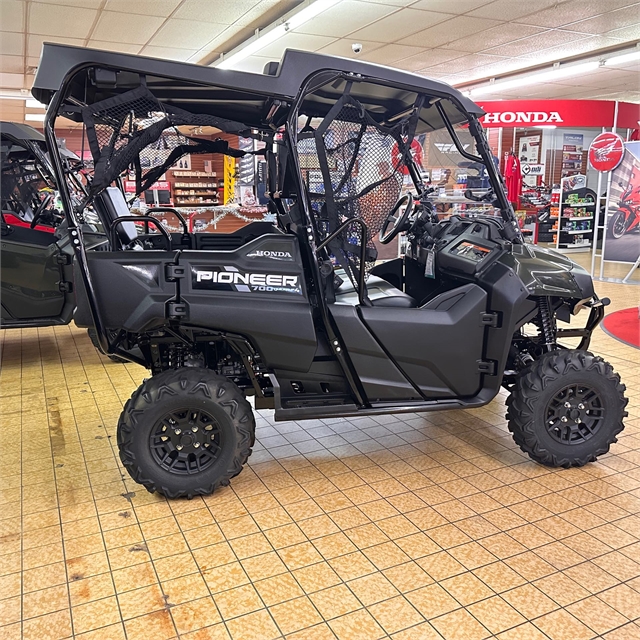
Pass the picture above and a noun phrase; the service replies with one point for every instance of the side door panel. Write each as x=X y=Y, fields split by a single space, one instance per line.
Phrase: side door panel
x=31 y=275
x=437 y=346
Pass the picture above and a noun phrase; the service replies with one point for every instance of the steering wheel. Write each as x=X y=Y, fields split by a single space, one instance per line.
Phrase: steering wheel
x=42 y=207
x=395 y=221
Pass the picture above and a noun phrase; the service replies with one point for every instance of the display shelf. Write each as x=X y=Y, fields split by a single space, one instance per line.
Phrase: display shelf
x=579 y=204
x=572 y=217
x=573 y=232
x=193 y=174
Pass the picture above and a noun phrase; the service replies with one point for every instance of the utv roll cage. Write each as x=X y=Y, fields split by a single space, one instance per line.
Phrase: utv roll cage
x=100 y=88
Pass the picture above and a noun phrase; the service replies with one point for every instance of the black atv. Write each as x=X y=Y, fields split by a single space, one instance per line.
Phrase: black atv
x=298 y=314
x=37 y=255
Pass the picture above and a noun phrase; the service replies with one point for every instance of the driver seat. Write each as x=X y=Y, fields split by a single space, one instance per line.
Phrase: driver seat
x=379 y=291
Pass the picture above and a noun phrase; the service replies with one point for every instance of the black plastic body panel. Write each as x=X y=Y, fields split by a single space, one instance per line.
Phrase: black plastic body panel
x=381 y=379
x=262 y=296
x=437 y=346
x=133 y=289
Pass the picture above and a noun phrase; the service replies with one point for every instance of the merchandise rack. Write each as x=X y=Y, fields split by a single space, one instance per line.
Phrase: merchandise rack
x=574 y=231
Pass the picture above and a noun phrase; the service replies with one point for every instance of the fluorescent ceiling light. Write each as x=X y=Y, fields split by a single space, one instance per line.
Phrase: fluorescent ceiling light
x=537 y=78
x=34 y=104
x=623 y=59
x=17 y=95
x=253 y=46
x=263 y=39
x=34 y=117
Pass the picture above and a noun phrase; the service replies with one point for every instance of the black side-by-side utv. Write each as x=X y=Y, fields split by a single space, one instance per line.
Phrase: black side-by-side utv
x=298 y=314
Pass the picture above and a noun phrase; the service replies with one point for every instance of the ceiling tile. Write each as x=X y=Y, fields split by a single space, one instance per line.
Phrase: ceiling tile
x=343 y=49
x=168 y=53
x=428 y=58
x=11 y=44
x=186 y=34
x=12 y=81
x=456 y=7
x=565 y=49
x=294 y=40
x=399 y=25
x=564 y=13
x=216 y=44
x=34 y=43
x=59 y=20
x=261 y=8
x=449 y=32
x=219 y=12
x=162 y=8
x=120 y=47
x=87 y=4
x=625 y=34
x=345 y=17
x=12 y=64
x=532 y=45
x=389 y=53
x=608 y=21
x=493 y=37
x=511 y=9
x=120 y=27
x=12 y=15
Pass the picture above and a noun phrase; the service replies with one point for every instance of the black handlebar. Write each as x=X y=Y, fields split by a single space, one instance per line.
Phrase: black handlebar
x=177 y=214
x=147 y=219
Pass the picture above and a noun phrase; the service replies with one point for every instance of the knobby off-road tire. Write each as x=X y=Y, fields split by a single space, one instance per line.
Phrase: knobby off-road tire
x=93 y=336
x=185 y=432
x=566 y=408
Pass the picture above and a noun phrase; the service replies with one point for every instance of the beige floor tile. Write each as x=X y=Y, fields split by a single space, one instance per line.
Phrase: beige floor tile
x=561 y=625
x=410 y=542
x=460 y=624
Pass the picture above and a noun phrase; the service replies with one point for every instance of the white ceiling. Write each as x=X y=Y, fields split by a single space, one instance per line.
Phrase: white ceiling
x=458 y=41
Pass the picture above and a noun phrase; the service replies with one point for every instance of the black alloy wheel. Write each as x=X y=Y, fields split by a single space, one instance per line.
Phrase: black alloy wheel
x=566 y=408
x=185 y=432
x=186 y=441
x=575 y=414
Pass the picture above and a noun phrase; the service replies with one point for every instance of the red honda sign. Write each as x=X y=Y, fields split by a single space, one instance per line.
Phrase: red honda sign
x=606 y=151
x=559 y=113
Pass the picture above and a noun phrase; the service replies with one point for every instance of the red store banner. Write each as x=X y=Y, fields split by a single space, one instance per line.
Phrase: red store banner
x=559 y=113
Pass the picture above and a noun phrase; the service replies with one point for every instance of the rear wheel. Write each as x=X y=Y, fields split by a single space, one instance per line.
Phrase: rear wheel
x=185 y=432
x=618 y=224
x=566 y=408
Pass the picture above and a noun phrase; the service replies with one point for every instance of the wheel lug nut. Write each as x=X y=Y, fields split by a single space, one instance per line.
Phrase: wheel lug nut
x=564 y=419
x=196 y=444
x=578 y=421
x=177 y=431
x=567 y=405
x=194 y=429
x=581 y=406
x=179 y=447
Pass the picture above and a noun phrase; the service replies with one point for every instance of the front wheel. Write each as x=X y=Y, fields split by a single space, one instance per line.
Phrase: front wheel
x=566 y=408
x=185 y=432
x=618 y=224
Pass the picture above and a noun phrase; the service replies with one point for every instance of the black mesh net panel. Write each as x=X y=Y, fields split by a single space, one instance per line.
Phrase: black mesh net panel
x=353 y=168
x=135 y=130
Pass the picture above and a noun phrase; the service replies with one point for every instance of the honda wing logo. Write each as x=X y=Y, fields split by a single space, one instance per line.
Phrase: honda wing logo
x=231 y=279
x=603 y=153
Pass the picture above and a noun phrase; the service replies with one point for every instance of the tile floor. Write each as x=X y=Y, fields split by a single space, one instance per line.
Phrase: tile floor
x=410 y=527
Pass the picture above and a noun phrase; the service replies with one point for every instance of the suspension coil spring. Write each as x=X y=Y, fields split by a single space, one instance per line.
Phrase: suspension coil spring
x=547 y=325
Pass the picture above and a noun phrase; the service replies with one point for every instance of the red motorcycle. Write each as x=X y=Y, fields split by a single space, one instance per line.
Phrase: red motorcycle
x=627 y=217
